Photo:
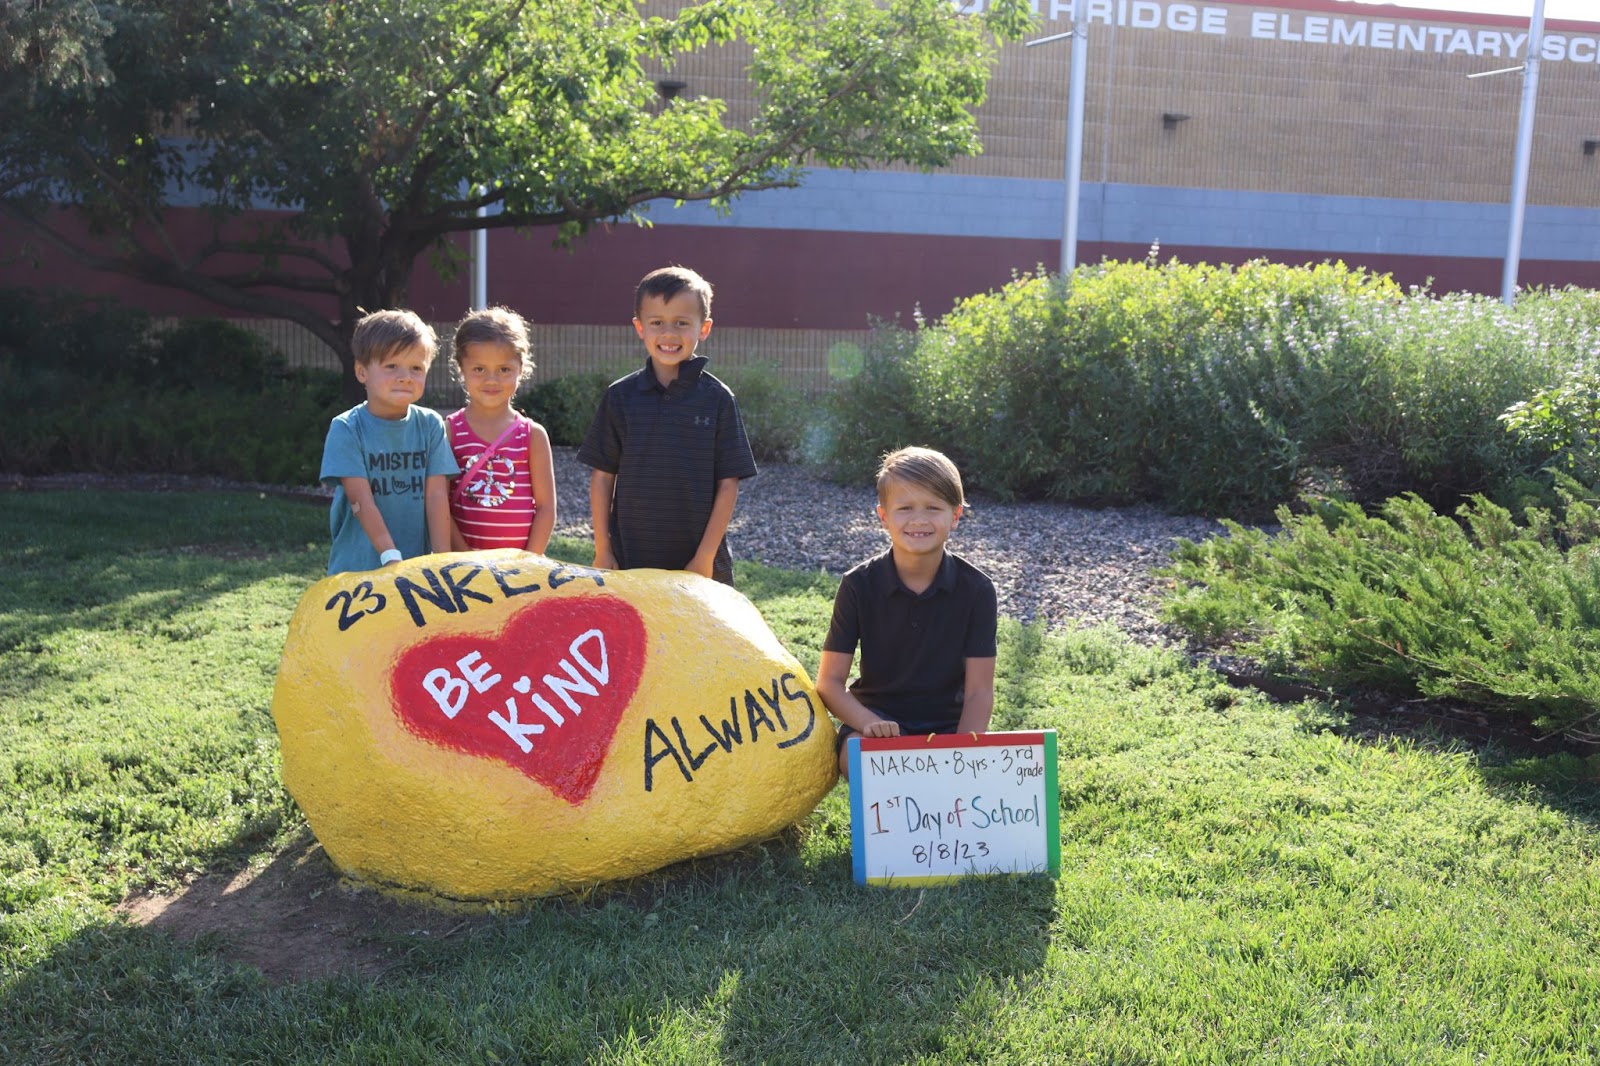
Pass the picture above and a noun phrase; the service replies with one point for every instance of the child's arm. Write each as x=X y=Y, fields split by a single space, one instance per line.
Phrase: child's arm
x=358 y=490
x=436 y=508
x=717 y=528
x=600 y=486
x=832 y=674
x=542 y=472
x=978 y=698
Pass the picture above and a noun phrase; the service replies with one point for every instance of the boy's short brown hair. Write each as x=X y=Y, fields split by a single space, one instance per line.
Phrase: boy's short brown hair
x=668 y=282
x=382 y=333
x=927 y=469
x=496 y=325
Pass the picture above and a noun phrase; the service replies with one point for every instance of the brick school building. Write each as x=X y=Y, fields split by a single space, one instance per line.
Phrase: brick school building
x=1224 y=130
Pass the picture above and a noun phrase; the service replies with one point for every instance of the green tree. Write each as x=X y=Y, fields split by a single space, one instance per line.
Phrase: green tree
x=51 y=42
x=378 y=129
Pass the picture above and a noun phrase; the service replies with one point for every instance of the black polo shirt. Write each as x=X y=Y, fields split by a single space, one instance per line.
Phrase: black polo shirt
x=914 y=648
x=668 y=448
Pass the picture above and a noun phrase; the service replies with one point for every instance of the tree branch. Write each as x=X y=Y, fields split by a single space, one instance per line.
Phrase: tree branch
x=575 y=213
x=133 y=204
x=146 y=266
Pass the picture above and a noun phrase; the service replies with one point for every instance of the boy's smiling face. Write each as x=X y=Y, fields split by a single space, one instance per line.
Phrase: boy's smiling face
x=918 y=521
x=670 y=329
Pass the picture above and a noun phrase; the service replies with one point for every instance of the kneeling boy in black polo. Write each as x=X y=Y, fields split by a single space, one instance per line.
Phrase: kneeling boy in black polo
x=925 y=619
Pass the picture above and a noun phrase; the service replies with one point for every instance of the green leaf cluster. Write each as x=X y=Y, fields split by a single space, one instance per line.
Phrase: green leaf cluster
x=376 y=130
x=1218 y=389
x=1562 y=423
x=46 y=43
x=1479 y=609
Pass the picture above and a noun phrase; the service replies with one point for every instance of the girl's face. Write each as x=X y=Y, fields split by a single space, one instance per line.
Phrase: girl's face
x=491 y=372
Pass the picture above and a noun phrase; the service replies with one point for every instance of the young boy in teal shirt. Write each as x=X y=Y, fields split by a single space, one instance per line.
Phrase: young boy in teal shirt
x=388 y=460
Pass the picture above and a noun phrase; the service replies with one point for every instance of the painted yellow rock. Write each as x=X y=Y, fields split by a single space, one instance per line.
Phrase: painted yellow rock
x=494 y=725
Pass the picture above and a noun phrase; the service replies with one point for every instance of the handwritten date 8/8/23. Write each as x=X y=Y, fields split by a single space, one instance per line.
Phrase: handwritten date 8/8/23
x=949 y=851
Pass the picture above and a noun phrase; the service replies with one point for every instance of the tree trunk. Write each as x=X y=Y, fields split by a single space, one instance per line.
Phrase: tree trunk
x=381 y=287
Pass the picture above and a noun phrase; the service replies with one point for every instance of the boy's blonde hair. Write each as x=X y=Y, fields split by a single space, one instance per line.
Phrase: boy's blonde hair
x=495 y=325
x=383 y=333
x=925 y=468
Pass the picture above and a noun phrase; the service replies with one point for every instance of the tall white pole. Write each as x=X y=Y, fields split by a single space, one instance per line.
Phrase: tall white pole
x=1075 y=94
x=480 y=260
x=1519 y=177
x=1077 y=79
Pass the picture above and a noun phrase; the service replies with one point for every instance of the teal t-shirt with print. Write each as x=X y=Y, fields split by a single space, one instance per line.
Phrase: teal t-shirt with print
x=396 y=456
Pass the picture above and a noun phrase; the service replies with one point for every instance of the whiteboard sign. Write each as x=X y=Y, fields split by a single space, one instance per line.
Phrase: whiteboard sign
x=930 y=809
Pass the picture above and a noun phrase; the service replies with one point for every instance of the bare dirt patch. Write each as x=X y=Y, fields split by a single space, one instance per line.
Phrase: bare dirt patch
x=296 y=919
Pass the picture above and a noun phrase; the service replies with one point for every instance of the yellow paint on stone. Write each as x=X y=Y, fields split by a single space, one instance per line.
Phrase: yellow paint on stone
x=489 y=726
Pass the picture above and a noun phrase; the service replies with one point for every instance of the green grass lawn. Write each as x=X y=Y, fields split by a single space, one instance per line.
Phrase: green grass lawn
x=1241 y=881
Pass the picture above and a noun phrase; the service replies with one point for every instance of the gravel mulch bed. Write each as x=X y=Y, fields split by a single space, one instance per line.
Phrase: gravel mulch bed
x=1067 y=566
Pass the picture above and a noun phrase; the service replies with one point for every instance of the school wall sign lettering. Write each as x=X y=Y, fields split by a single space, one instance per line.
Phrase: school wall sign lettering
x=491 y=726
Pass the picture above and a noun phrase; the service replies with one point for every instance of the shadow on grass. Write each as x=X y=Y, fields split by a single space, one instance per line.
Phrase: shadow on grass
x=759 y=956
x=1514 y=759
x=135 y=562
x=155 y=595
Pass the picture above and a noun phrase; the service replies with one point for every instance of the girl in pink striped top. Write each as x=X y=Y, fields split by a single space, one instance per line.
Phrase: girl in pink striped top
x=505 y=496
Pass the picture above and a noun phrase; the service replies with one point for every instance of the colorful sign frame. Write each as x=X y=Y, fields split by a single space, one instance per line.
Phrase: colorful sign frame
x=928 y=810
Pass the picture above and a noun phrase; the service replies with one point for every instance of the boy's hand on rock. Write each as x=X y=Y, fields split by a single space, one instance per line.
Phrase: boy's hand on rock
x=700 y=566
x=605 y=560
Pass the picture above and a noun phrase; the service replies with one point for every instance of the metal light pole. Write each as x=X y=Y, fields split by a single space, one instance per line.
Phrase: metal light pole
x=1074 y=162
x=480 y=260
x=1519 y=177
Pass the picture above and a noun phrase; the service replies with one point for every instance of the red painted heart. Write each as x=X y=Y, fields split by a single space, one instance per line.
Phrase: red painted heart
x=544 y=696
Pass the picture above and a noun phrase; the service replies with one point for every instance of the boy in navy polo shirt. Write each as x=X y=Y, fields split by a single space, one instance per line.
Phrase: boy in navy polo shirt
x=667 y=445
x=925 y=619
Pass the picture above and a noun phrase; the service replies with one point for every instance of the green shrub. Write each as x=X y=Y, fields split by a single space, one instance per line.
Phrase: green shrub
x=776 y=414
x=876 y=411
x=93 y=388
x=1018 y=404
x=565 y=406
x=1482 y=610
x=67 y=339
x=1561 y=425
x=207 y=353
x=1451 y=367
x=1216 y=389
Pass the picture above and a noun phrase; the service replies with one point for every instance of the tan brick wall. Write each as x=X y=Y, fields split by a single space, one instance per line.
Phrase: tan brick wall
x=1271 y=115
